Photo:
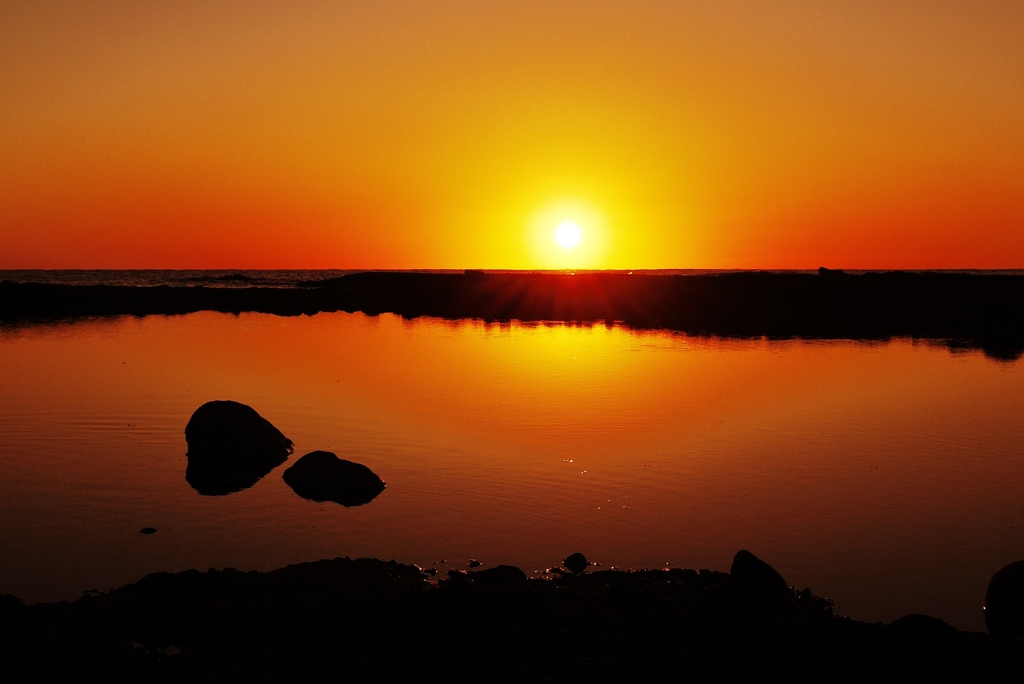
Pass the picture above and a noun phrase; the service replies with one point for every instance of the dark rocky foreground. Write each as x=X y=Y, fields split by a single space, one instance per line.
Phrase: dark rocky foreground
x=367 y=620
x=984 y=311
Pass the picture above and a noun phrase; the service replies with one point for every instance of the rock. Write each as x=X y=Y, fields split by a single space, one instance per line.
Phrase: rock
x=21 y=631
x=456 y=585
x=322 y=476
x=576 y=563
x=231 y=447
x=1004 y=602
x=148 y=530
x=921 y=627
x=474 y=563
x=499 y=576
x=759 y=583
x=822 y=271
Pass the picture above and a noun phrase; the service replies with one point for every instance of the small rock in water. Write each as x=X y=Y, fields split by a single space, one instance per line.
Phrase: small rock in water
x=576 y=563
x=322 y=476
x=1004 y=602
x=148 y=530
x=474 y=563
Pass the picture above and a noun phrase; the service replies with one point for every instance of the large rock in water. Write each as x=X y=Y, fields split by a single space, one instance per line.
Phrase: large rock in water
x=322 y=476
x=230 y=447
x=1004 y=602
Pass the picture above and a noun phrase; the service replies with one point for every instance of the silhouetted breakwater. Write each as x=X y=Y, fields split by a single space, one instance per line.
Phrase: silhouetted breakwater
x=983 y=311
x=368 y=620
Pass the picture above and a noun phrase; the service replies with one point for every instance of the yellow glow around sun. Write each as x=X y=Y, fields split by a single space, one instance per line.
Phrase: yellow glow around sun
x=569 y=234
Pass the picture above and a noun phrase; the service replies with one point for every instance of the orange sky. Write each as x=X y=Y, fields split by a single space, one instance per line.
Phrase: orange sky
x=415 y=134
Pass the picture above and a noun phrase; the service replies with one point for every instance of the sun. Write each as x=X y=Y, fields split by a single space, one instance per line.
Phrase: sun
x=568 y=235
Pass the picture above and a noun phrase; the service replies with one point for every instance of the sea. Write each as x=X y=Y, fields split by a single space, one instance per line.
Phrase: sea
x=887 y=476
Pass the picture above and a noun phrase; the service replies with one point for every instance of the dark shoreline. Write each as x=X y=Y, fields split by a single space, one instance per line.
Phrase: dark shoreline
x=962 y=310
x=369 y=620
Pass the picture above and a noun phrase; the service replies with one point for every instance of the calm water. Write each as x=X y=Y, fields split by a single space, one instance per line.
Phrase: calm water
x=889 y=477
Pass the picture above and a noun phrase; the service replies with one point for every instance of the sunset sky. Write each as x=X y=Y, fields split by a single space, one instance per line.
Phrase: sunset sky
x=417 y=134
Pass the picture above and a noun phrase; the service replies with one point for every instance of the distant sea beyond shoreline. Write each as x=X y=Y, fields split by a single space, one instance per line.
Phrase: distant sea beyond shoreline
x=293 y=277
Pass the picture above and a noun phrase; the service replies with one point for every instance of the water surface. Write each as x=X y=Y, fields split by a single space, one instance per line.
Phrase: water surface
x=886 y=476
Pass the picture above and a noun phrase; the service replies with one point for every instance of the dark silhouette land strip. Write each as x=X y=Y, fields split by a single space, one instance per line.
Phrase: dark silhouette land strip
x=983 y=311
x=368 y=620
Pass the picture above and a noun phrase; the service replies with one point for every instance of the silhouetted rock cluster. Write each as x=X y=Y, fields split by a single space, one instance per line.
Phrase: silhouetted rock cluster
x=322 y=476
x=231 y=447
x=974 y=310
x=368 y=620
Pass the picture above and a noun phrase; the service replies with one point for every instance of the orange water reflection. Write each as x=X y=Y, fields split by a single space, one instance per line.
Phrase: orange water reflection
x=887 y=476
